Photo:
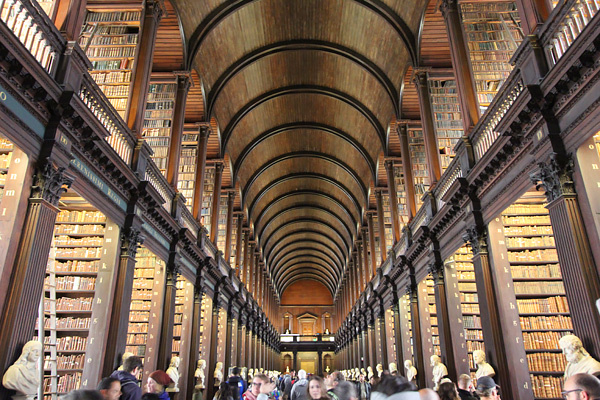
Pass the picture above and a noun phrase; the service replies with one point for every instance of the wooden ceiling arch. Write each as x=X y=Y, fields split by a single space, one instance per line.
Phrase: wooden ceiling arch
x=309 y=267
x=307 y=274
x=300 y=255
x=312 y=245
x=308 y=235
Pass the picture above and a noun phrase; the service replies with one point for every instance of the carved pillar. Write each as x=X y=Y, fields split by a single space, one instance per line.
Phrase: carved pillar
x=320 y=368
x=382 y=335
x=216 y=203
x=364 y=344
x=230 y=198
x=239 y=343
x=431 y=145
x=203 y=134
x=166 y=335
x=195 y=333
x=131 y=239
x=26 y=284
x=238 y=247
x=421 y=328
x=367 y=269
x=228 y=340
x=183 y=86
x=580 y=276
x=372 y=242
x=389 y=169
x=400 y=353
x=411 y=197
x=295 y=353
x=381 y=223
x=499 y=315
x=214 y=341
x=248 y=343
x=461 y=64
x=532 y=14
x=152 y=14
x=373 y=349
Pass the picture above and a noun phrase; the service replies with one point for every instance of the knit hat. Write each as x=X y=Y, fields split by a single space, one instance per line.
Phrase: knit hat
x=161 y=378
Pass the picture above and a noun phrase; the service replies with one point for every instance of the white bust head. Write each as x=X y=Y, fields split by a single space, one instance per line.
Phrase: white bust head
x=175 y=362
x=393 y=367
x=219 y=366
x=572 y=348
x=201 y=364
x=370 y=369
x=407 y=364
x=435 y=360
x=479 y=357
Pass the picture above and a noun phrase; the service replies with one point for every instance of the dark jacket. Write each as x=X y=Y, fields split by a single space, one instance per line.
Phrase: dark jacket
x=236 y=386
x=299 y=390
x=367 y=389
x=466 y=395
x=130 y=390
x=164 y=396
x=287 y=385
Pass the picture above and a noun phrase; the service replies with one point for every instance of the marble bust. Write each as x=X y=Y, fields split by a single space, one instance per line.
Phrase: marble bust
x=483 y=368
x=369 y=372
x=439 y=371
x=411 y=371
x=578 y=359
x=173 y=372
x=199 y=374
x=379 y=369
x=393 y=368
x=356 y=373
x=24 y=375
x=218 y=374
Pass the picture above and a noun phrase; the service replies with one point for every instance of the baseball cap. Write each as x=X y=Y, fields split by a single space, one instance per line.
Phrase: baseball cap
x=485 y=383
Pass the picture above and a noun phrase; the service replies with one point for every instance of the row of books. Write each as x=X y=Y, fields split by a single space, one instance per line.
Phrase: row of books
x=138 y=327
x=144 y=273
x=159 y=113
x=547 y=387
x=120 y=40
x=110 y=52
x=64 y=240
x=76 y=265
x=546 y=322
x=79 y=252
x=539 y=287
x=157 y=123
x=476 y=345
x=541 y=362
x=557 y=304
x=469 y=297
x=157 y=132
x=541 y=241
x=136 y=339
x=80 y=216
x=470 y=308
x=142 y=284
x=71 y=343
x=542 y=340
x=473 y=334
x=111 y=77
x=533 y=255
x=528 y=230
x=116 y=16
x=74 y=303
x=123 y=63
x=526 y=219
x=142 y=295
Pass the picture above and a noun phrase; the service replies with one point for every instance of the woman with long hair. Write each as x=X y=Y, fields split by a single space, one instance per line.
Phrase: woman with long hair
x=317 y=389
x=448 y=391
x=224 y=392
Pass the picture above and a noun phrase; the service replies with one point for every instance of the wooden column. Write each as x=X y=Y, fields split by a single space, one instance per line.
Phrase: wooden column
x=70 y=15
x=214 y=332
x=364 y=344
x=26 y=284
x=372 y=242
x=532 y=14
x=411 y=196
x=360 y=268
x=195 y=335
x=238 y=247
x=246 y=261
x=381 y=223
x=367 y=269
x=228 y=341
x=228 y=233
x=216 y=203
x=421 y=328
x=373 y=349
x=168 y=312
x=389 y=169
x=461 y=63
x=203 y=134
x=131 y=239
x=382 y=335
x=239 y=343
x=250 y=258
x=431 y=145
x=406 y=342
x=152 y=14
x=183 y=86
x=400 y=353
x=580 y=276
x=498 y=310
x=449 y=315
x=248 y=343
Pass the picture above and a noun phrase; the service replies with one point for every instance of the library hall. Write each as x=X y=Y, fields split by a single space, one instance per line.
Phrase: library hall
x=266 y=199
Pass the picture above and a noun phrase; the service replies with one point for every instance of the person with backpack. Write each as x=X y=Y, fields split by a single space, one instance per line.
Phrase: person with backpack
x=299 y=390
x=237 y=384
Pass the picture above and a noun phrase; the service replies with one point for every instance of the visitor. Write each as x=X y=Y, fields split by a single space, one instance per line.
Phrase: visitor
x=332 y=381
x=109 y=388
x=394 y=385
x=130 y=389
x=225 y=392
x=487 y=388
x=287 y=385
x=346 y=391
x=363 y=388
x=317 y=390
x=428 y=394
x=300 y=388
x=237 y=384
x=448 y=391
x=581 y=387
x=157 y=383
x=465 y=387
x=254 y=390
x=82 y=395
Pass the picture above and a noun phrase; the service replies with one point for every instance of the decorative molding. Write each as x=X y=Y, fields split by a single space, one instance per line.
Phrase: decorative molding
x=477 y=239
x=131 y=240
x=555 y=177
x=50 y=183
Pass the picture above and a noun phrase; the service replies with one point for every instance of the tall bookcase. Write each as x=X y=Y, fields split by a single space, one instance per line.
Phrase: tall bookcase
x=205 y=315
x=187 y=165
x=447 y=117
x=401 y=195
x=435 y=335
x=184 y=299
x=158 y=117
x=537 y=281
x=110 y=40
x=390 y=335
x=233 y=241
x=418 y=157
x=148 y=283
x=387 y=216
x=406 y=330
x=70 y=294
x=493 y=34
x=222 y=224
x=207 y=197
x=461 y=261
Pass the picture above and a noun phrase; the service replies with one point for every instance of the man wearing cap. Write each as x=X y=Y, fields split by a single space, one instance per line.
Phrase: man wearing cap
x=487 y=388
x=581 y=387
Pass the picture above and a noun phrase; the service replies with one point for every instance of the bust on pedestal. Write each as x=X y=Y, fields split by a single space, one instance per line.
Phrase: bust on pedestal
x=439 y=371
x=393 y=368
x=578 y=359
x=24 y=375
x=411 y=371
x=483 y=368
x=218 y=375
x=379 y=369
x=369 y=372
x=173 y=372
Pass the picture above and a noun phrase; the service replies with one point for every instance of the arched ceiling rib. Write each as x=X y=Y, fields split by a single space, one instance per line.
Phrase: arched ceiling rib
x=304 y=92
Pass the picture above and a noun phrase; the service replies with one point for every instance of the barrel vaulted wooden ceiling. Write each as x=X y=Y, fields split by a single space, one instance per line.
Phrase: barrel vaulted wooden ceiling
x=304 y=93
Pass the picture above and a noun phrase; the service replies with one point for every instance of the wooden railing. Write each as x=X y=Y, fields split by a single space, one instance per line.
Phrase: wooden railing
x=189 y=221
x=34 y=30
x=452 y=173
x=571 y=18
x=158 y=182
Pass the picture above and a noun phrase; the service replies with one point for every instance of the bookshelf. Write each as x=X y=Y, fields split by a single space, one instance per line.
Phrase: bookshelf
x=221 y=335
x=493 y=33
x=406 y=331
x=205 y=315
x=207 y=197
x=233 y=241
x=158 y=117
x=222 y=224
x=148 y=275
x=461 y=263
x=70 y=293
x=110 y=41
x=377 y=238
x=537 y=281
x=447 y=117
x=435 y=336
x=401 y=195
x=390 y=334
x=387 y=216
x=184 y=298
x=187 y=166
x=418 y=157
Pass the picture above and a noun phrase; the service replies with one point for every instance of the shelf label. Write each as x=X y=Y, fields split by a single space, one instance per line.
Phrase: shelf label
x=99 y=183
x=21 y=112
x=155 y=235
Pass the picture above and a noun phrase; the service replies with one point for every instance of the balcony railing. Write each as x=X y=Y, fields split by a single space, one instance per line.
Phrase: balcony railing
x=294 y=338
x=158 y=182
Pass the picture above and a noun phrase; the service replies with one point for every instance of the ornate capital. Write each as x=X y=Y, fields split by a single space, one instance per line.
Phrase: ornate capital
x=156 y=8
x=555 y=177
x=173 y=271
x=204 y=130
x=477 y=239
x=437 y=272
x=131 y=240
x=184 y=80
x=448 y=6
x=420 y=78
x=219 y=166
x=50 y=183
x=389 y=164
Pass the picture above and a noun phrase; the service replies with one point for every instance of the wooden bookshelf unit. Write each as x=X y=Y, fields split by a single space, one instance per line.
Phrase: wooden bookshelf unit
x=418 y=158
